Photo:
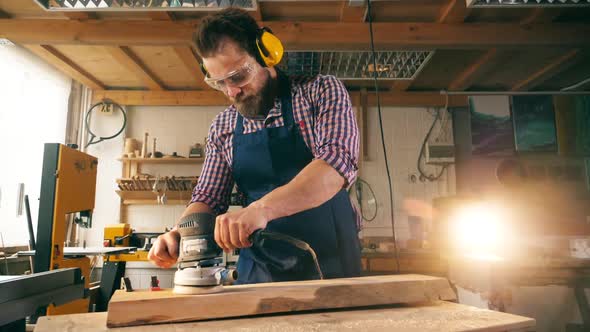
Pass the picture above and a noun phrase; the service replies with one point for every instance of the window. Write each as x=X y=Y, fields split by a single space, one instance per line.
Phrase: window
x=33 y=111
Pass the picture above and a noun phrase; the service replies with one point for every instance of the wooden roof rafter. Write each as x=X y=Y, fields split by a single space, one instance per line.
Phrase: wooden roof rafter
x=551 y=69
x=125 y=56
x=191 y=63
x=67 y=66
x=468 y=76
x=541 y=15
x=455 y=11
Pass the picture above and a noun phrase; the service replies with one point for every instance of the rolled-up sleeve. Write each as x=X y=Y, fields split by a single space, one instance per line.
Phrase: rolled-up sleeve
x=215 y=183
x=336 y=130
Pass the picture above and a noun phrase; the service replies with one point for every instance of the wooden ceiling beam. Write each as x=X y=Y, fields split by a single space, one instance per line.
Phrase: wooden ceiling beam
x=191 y=63
x=303 y=35
x=466 y=78
x=550 y=70
x=124 y=56
x=215 y=98
x=64 y=64
x=454 y=11
x=350 y=13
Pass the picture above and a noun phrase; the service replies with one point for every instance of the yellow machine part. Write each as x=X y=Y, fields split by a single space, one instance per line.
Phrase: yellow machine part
x=112 y=232
x=140 y=255
x=75 y=191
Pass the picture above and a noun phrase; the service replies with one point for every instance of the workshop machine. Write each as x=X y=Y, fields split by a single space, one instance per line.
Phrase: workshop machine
x=136 y=247
x=200 y=269
x=68 y=186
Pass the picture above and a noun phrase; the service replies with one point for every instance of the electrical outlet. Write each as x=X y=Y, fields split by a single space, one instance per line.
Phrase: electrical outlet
x=440 y=154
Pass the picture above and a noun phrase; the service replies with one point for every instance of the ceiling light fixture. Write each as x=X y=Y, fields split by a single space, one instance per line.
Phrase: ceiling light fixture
x=527 y=3
x=144 y=5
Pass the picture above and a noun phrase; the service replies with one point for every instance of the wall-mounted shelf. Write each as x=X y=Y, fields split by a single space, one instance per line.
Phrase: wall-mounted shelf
x=145 y=197
x=131 y=166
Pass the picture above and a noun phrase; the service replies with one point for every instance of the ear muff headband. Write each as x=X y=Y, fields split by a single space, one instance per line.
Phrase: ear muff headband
x=270 y=49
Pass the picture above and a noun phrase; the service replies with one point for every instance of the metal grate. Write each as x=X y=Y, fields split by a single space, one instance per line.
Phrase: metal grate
x=357 y=65
x=134 y=5
x=528 y=3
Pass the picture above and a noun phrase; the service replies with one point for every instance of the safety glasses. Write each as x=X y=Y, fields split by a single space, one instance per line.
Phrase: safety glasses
x=235 y=79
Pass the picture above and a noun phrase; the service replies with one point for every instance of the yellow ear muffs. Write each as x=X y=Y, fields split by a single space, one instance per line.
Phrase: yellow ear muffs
x=269 y=47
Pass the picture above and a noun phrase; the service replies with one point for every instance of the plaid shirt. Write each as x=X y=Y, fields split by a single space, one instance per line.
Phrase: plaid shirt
x=323 y=111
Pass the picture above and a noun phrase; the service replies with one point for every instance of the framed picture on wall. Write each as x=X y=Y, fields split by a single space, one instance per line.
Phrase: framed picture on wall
x=491 y=126
x=534 y=124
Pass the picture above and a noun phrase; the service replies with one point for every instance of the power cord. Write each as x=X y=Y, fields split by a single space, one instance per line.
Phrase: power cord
x=375 y=73
x=437 y=115
x=358 y=191
x=257 y=238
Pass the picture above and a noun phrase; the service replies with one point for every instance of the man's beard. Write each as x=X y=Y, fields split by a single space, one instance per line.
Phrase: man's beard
x=258 y=105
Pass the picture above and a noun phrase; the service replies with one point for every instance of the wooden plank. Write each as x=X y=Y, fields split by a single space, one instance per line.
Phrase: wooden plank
x=553 y=68
x=61 y=62
x=189 y=59
x=426 y=317
x=303 y=35
x=247 y=300
x=215 y=98
x=454 y=11
x=128 y=59
x=469 y=75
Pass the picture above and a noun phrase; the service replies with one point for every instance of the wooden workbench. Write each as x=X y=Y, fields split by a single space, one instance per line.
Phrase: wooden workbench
x=436 y=316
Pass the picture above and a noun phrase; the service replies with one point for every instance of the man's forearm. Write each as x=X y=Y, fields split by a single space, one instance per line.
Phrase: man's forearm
x=313 y=186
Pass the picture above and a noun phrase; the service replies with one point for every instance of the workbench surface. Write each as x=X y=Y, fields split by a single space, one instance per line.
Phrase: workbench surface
x=433 y=316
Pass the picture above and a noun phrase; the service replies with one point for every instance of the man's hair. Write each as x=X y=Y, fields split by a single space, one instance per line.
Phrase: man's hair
x=233 y=23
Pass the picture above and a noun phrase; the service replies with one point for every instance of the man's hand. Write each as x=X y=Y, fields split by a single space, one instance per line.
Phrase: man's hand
x=164 y=251
x=233 y=228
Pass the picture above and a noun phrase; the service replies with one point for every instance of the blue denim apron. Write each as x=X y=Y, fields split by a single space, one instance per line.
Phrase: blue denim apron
x=270 y=158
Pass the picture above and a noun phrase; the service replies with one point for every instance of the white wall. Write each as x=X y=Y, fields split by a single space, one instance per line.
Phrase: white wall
x=33 y=111
x=404 y=131
x=176 y=129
